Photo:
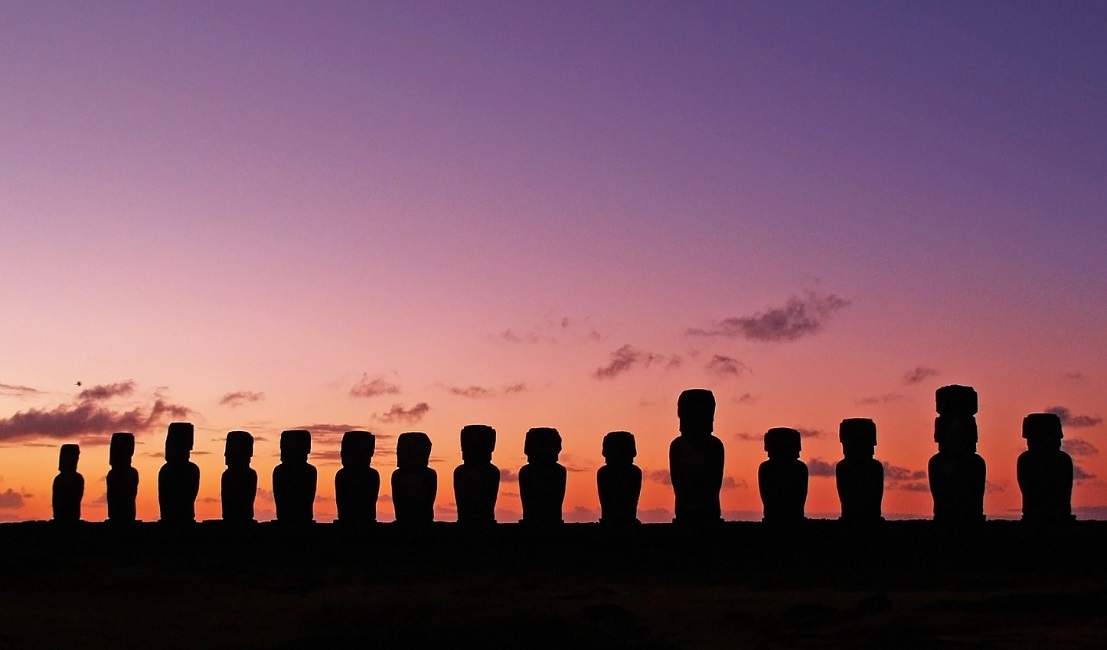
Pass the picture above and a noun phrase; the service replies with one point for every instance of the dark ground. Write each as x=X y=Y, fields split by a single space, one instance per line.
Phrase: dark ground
x=902 y=585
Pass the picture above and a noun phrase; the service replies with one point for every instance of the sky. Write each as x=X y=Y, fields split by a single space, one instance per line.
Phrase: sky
x=419 y=215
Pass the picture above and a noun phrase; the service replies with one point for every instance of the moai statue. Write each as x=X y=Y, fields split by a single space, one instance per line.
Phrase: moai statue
x=957 y=473
x=619 y=480
x=69 y=486
x=239 y=484
x=414 y=483
x=122 y=479
x=294 y=480
x=179 y=477
x=782 y=479
x=696 y=460
x=542 y=479
x=1045 y=471
x=476 y=479
x=356 y=485
x=860 y=477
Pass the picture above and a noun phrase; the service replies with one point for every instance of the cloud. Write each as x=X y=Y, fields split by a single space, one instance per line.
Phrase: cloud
x=366 y=387
x=1075 y=376
x=107 y=391
x=511 y=336
x=1079 y=474
x=811 y=433
x=731 y=483
x=744 y=398
x=85 y=419
x=655 y=516
x=897 y=474
x=16 y=390
x=471 y=392
x=885 y=398
x=334 y=429
x=819 y=467
x=399 y=414
x=12 y=500
x=628 y=357
x=800 y=316
x=725 y=366
x=1079 y=447
x=581 y=514
x=660 y=476
x=240 y=397
x=918 y=375
x=914 y=486
x=509 y=475
x=1075 y=421
x=518 y=387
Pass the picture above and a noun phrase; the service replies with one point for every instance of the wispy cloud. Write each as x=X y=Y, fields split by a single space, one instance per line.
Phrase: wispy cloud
x=659 y=476
x=800 y=316
x=471 y=392
x=16 y=390
x=366 y=387
x=1069 y=419
x=885 y=398
x=820 y=468
x=12 y=500
x=240 y=397
x=1079 y=447
x=104 y=392
x=86 y=418
x=1080 y=475
x=509 y=475
x=744 y=398
x=401 y=415
x=627 y=358
x=725 y=366
x=333 y=429
x=918 y=374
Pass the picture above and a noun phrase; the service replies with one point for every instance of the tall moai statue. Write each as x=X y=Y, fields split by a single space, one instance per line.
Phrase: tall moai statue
x=860 y=477
x=957 y=473
x=696 y=460
x=542 y=479
x=239 y=484
x=619 y=480
x=294 y=479
x=122 y=479
x=1045 y=472
x=414 y=483
x=69 y=486
x=782 y=479
x=476 y=479
x=357 y=484
x=179 y=477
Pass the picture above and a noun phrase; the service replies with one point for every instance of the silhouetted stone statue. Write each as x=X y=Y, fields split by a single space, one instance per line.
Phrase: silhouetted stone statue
x=696 y=460
x=239 y=484
x=414 y=483
x=860 y=477
x=69 y=486
x=356 y=485
x=476 y=479
x=619 y=480
x=1045 y=471
x=783 y=478
x=294 y=480
x=957 y=474
x=542 y=479
x=122 y=479
x=179 y=477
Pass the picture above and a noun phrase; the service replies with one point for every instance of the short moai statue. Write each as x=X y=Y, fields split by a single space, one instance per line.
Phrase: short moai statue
x=239 y=483
x=958 y=475
x=1045 y=472
x=122 y=479
x=179 y=477
x=476 y=479
x=357 y=484
x=782 y=479
x=69 y=486
x=860 y=477
x=414 y=483
x=619 y=480
x=294 y=479
x=696 y=460
x=542 y=479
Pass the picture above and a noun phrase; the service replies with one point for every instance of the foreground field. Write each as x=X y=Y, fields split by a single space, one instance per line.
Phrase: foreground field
x=822 y=585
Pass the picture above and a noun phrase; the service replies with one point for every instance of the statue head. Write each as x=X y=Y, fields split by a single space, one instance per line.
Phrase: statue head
x=619 y=448
x=542 y=445
x=478 y=441
x=413 y=450
x=358 y=448
x=696 y=410
x=178 y=442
